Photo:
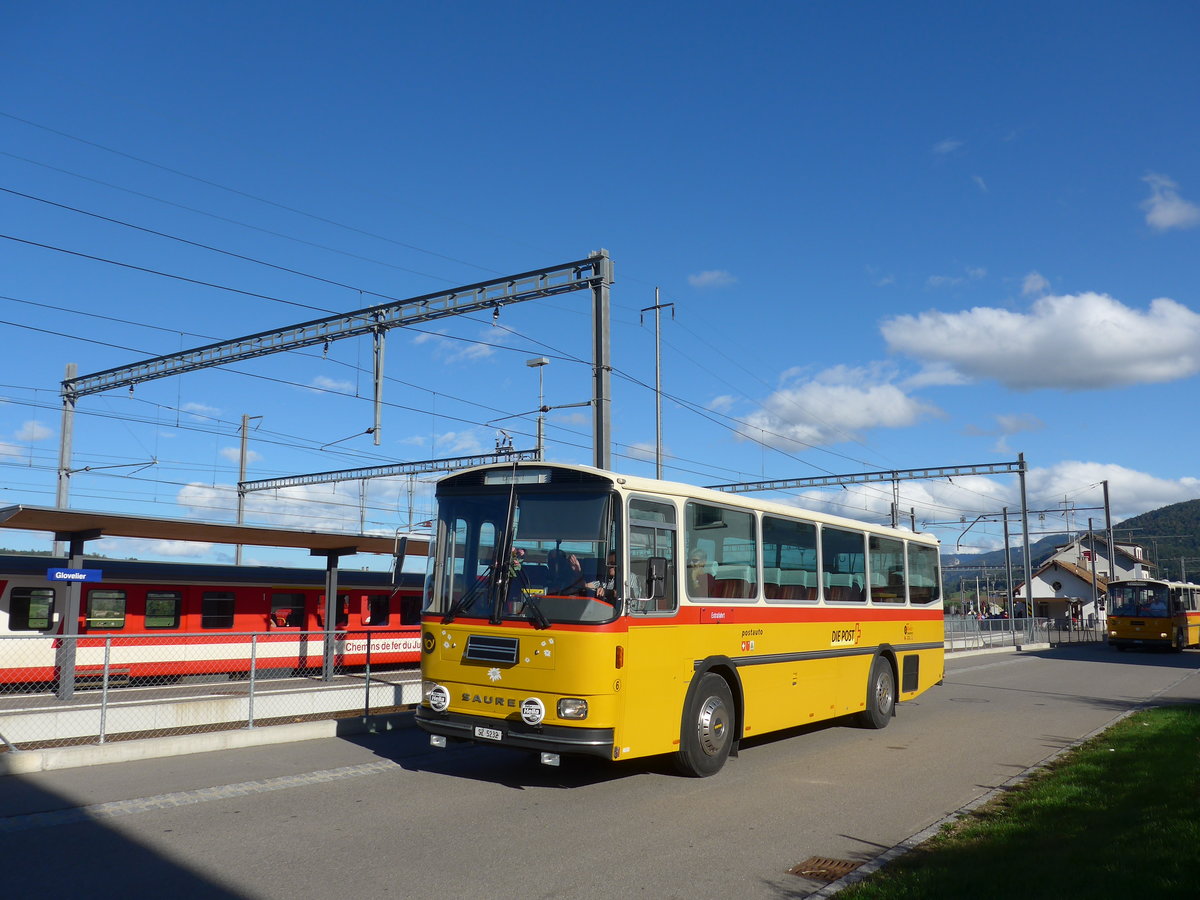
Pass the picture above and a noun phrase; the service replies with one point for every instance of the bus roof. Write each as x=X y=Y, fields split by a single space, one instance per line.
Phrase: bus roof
x=639 y=484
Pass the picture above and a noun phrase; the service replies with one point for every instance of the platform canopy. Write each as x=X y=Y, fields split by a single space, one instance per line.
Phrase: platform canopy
x=63 y=522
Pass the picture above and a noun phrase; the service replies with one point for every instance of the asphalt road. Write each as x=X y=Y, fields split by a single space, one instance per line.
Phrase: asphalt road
x=386 y=816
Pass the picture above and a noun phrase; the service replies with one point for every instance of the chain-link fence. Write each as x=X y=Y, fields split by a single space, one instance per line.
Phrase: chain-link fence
x=59 y=691
x=973 y=633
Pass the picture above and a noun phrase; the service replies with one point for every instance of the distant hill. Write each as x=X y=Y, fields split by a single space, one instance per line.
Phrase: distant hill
x=1169 y=534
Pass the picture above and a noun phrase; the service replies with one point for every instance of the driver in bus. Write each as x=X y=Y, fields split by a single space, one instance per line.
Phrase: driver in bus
x=605 y=587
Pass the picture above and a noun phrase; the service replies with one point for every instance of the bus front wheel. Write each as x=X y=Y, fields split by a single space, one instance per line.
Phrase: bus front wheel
x=708 y=725
x=881 y=695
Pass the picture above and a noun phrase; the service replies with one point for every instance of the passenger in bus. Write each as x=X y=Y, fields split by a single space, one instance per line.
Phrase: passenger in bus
x=700 y=582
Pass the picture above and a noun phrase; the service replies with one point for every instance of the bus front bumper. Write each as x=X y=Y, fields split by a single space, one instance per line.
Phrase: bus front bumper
x=596 y=742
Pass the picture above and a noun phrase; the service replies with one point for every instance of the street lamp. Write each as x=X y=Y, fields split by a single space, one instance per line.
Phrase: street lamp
x=538 y=363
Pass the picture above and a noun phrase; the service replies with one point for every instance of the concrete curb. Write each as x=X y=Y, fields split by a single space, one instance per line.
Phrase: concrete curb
x=24 y=762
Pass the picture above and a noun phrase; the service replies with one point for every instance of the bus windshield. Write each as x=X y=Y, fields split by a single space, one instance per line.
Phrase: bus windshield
x=546 y=562
x=1137 y=600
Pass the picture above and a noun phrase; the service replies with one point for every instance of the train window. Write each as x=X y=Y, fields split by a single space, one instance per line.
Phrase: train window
x=162 y=609
x=287 y=610
x=30 y=609
x=375 y=609
x=216 y=609
x=106 y=609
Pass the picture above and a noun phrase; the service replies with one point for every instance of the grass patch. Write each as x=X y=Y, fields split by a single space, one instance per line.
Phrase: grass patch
x=1117 y=817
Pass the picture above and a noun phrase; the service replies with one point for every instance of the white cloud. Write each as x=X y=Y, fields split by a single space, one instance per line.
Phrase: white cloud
x=949 y=145
x=980 y=183
x=324 y=383
x=33 y=430
x=834 y=406
x=201 y=410
x=234 y=454
x=711 y=278
x=572 y=419
x=449 y=350
x=973 y=273
x=935 y=375
x=457 y=443
x=643 y=451
x=1015 y=423
x=1034 y=284
x=1073 y=342
x=135 y=548
x=1131 y=492
x=9 y=449
x=1006 y=426
x=467 y=352
x=941 y=281
x=723 y=403
x=318 y=507
x=1165 y=209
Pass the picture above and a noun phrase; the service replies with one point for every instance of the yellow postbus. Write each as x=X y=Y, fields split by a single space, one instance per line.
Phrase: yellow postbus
x=1153 y=613
x=571 y=610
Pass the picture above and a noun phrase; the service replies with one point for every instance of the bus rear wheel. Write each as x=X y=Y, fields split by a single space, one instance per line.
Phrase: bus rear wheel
x=708 y=728
x=881 y=695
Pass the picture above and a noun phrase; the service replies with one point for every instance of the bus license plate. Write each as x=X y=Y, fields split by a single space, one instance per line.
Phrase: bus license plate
x=488 y=734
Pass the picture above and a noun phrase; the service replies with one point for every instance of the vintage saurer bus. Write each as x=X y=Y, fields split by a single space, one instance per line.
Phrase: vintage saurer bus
x=1153 y=613
x=571 y=610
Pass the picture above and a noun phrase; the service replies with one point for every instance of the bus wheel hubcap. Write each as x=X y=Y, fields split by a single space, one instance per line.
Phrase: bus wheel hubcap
x=713 y=726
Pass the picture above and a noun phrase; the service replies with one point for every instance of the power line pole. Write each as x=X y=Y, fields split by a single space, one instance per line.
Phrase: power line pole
x=658 y=442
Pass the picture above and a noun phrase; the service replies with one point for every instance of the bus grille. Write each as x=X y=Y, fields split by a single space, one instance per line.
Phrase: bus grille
x=487 y=648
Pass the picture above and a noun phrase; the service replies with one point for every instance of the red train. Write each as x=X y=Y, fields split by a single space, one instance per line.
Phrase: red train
x=167 y=620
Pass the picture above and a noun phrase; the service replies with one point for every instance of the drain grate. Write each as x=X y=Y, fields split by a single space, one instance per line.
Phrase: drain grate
x=822 y=868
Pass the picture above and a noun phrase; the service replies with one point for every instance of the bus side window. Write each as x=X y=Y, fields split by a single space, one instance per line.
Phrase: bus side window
x=652 y=534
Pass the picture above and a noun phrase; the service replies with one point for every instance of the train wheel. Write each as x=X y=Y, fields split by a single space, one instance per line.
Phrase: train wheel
x=881 y=695
x=707 y=734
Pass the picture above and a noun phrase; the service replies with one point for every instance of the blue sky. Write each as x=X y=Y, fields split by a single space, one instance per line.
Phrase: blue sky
x=895 y=236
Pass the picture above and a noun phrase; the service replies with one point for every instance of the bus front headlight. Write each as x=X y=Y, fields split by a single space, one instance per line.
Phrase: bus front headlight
x=572 y=708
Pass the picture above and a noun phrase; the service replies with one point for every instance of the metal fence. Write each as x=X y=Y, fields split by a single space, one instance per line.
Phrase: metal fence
x=973 y=633
x=135 y=686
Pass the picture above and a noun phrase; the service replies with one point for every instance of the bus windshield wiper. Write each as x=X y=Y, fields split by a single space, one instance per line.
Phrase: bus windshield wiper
x=468 y=596
x=539 y=618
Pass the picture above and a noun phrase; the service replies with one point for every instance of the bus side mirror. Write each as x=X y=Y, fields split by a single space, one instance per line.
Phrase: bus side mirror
x=657 y=577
